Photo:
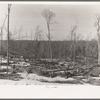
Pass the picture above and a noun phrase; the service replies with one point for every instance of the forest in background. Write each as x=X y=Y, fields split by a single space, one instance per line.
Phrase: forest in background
x=60 y=49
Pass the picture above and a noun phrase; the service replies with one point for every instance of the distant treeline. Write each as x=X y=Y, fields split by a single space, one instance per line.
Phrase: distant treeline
x=60 y=49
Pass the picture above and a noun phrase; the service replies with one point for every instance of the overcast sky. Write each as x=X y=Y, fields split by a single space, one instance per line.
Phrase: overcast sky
x=28 y=16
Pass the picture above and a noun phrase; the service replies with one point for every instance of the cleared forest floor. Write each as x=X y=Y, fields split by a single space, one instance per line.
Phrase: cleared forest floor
x=42 y=72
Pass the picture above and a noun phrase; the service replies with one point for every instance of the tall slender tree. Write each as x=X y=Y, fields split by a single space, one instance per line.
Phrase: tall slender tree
x=97 y=25
x=73 y=42
x=9 y=7
x=49 y=17
x=37 y=39
x=1 y=33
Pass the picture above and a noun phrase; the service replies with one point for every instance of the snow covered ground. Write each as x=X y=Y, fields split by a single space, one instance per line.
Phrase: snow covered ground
x=33 y=79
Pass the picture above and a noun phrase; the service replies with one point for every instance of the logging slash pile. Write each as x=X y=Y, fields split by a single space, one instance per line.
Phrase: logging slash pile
x=64 y=68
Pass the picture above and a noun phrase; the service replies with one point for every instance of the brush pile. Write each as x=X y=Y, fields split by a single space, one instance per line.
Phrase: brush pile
x=63 y=68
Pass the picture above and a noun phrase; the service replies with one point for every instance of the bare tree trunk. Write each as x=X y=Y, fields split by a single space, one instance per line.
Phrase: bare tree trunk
x=9 y=6
x=86 y=51
x=49 y=38
x=2 y=37
x=74 y=47
x=1 y=47
x=97 y=24
x=73 y=43
x=71 y=46
x=50 y=50
x=8 y=38
x=49 y=16
x=37 y=39
x=98 y=49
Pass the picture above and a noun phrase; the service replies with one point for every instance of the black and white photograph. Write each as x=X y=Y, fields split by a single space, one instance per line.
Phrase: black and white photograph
x=50 y=44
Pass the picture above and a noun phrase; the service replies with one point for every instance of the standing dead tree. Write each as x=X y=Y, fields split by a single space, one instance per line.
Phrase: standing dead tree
x=73 y=42
x=9 y=7
x=87 y=51
x=38 y=33
x=31 y=36
x=97 y=25
x=1 y=34
x=20 y=31
x=49 y=16
x=37 y=39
